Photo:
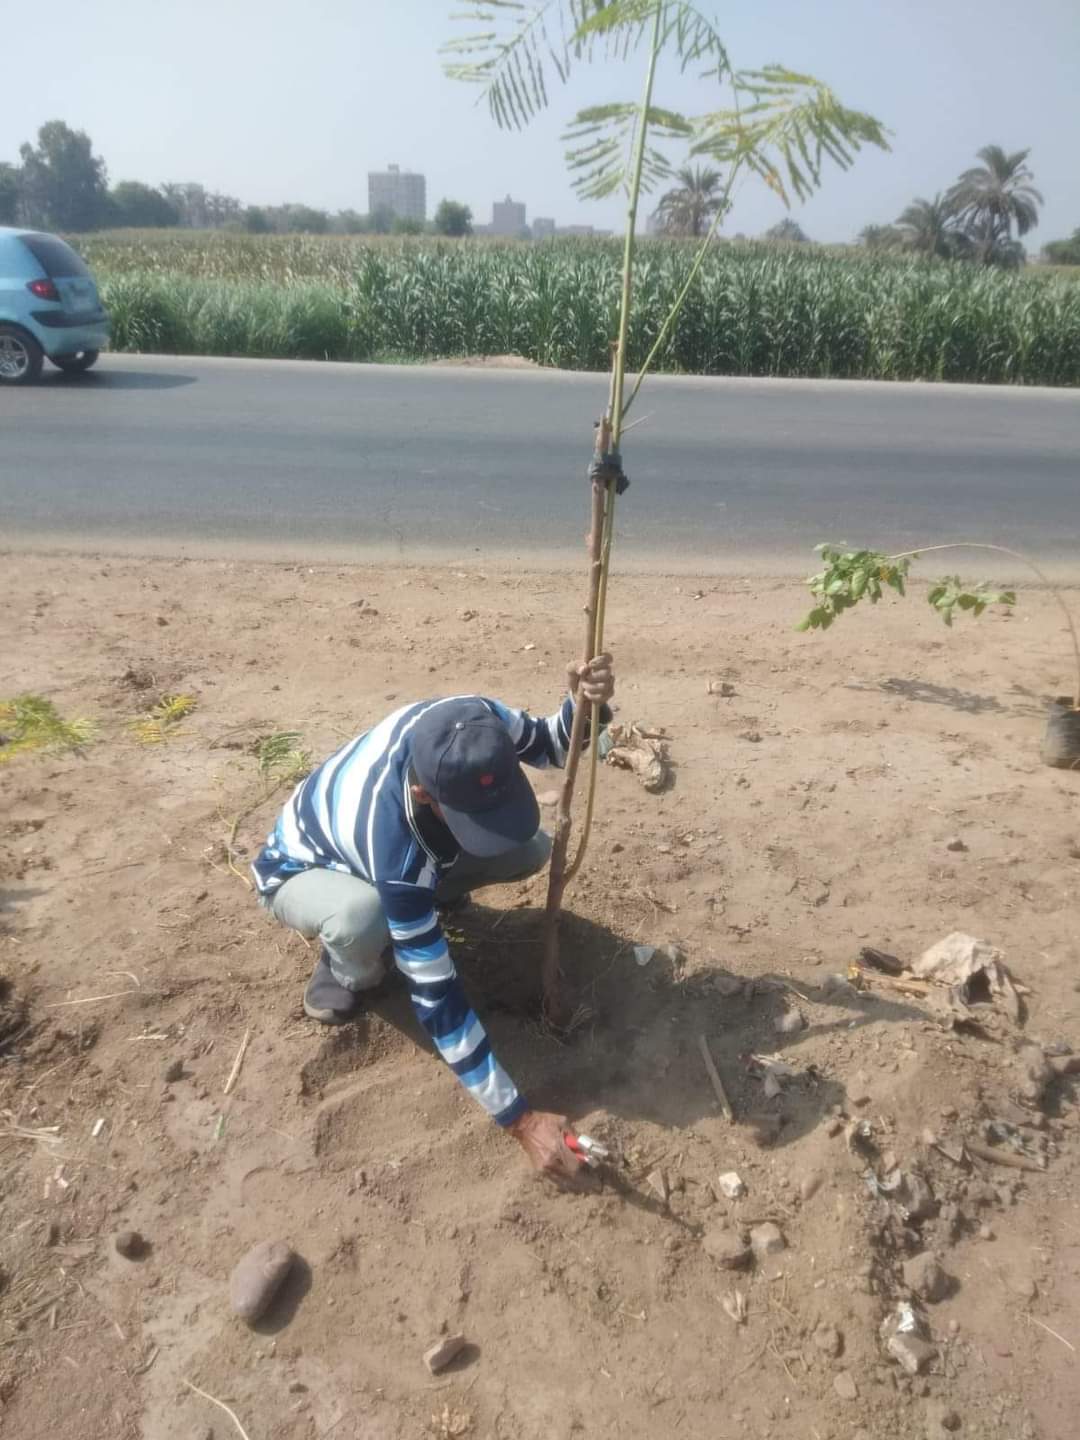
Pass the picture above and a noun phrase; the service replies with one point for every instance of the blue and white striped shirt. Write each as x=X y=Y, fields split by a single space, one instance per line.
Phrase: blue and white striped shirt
x=355 y=813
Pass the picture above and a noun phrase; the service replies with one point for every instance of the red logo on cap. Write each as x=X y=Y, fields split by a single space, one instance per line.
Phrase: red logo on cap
x=487 y=779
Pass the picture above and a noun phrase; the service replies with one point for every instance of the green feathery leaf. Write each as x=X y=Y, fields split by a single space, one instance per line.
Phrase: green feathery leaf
x=601 y=139
x=782 y=127
x=509 y=54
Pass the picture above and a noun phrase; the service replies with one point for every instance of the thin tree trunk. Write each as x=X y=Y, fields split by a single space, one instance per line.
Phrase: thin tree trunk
x=553 y=1003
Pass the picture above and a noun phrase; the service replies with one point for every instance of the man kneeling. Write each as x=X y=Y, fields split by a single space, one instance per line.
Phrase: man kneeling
x=422 y=809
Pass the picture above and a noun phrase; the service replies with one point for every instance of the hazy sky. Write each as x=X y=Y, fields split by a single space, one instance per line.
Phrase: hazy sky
x=274 y=100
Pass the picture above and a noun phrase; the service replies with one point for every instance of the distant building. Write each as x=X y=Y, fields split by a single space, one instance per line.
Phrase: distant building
x=401 y=192
x=507 y=217
x=543 y=228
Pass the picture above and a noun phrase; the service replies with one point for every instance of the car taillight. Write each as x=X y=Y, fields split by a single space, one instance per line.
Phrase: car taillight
x=43 y=289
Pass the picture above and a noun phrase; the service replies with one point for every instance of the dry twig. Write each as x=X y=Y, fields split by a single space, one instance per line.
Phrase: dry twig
x=235 y=1071
x=221 y=1406
x=89 y=999
x=1054 y=1333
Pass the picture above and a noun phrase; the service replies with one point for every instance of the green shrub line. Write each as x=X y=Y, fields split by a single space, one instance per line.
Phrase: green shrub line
x=752 y=310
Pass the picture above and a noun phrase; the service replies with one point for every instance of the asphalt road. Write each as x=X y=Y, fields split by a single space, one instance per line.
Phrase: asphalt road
x=329 y=461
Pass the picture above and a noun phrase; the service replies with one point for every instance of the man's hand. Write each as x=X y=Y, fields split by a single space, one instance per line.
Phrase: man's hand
x=595 y=681
x=540 y=1135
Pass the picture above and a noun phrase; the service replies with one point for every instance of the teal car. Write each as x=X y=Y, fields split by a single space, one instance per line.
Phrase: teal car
x=49 y=308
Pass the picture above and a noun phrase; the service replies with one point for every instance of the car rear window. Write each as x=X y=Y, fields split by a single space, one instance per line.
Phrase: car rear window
x=58 y=260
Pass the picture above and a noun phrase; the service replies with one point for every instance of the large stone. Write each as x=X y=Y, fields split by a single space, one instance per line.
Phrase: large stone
x=726 y=1247
x=916 y=1197
x=441 y=1354
x=911 y=1353
x=258 y=1277
x=925 y=1278
x=766 y=1240
x=845 y=1387
x=731 y=1186
x=839 y=987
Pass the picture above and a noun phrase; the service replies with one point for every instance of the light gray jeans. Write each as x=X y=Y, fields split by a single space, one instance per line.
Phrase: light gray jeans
x=345 y=914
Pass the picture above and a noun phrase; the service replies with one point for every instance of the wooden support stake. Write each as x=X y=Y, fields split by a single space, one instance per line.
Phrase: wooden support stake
x=551 y=975
x=714 y=1076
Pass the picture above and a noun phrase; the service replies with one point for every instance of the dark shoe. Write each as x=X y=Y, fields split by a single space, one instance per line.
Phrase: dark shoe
x=327 y=1001
x=455 y=907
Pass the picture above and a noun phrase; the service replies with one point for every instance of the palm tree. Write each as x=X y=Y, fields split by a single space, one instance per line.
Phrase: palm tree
x=689 y=209
x=990 y=197
x=929 y=228
x=878 y=238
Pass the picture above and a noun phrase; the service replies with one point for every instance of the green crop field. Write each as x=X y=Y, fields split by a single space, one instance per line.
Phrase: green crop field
x=753 y=310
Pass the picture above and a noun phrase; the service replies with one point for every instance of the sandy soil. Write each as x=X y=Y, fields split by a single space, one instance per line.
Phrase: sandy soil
x=811 y=815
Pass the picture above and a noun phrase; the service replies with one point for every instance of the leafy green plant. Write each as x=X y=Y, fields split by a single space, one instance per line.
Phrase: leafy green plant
x=853 y=575
x=30 y=722
x=850 y=576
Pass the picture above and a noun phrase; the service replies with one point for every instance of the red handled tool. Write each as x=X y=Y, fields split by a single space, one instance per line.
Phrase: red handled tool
x=587 y=1150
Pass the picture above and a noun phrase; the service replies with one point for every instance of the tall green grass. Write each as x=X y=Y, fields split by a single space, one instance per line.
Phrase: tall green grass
x=752 y=310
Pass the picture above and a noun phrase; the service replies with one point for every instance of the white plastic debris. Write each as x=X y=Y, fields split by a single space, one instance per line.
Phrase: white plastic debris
x=99 y=1126
x=644 y=953
x=963 y=963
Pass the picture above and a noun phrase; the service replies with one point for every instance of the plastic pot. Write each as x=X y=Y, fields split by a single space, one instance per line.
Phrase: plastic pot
x=1061 y=738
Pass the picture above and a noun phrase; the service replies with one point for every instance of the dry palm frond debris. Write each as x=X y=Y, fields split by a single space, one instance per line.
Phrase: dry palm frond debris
x=30 y=722
x=162 y=722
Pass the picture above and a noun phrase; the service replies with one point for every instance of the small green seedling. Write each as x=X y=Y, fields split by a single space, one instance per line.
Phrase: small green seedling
x=281 y=757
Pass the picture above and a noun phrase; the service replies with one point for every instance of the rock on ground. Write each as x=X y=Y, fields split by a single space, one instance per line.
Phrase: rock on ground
x=443 y=1352
x=845 y=1387
x=911 y=1353
x=726 y=1247
x=925 y=1278
x=258 y=1277
x=766 y=1240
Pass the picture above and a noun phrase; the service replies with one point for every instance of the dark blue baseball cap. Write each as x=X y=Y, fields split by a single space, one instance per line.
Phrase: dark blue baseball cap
x=464 y=758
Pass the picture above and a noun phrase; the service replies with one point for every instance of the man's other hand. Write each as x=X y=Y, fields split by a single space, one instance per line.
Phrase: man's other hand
x=596 y=680
x=540 y=1135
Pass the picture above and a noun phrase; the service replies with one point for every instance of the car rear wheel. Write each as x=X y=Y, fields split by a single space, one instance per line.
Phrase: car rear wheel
x=76 y=364
x=21 y=357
